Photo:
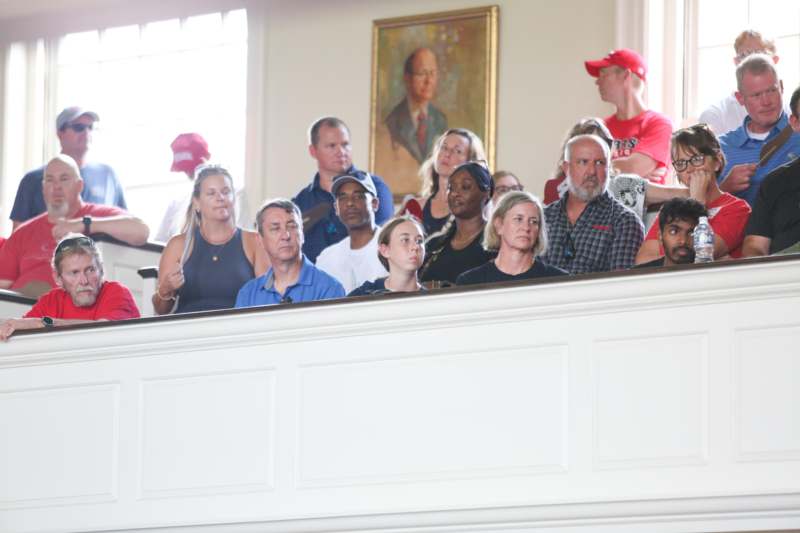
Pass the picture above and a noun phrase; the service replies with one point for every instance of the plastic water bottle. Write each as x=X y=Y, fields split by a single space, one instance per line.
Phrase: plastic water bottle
x=703 y=242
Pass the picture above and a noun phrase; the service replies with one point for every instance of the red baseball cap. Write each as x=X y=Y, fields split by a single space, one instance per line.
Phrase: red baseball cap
x=189 y=150
x=624 y=57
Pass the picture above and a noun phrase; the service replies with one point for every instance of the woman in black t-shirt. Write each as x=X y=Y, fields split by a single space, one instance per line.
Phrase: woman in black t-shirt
x=457 y=247
x=518 y=233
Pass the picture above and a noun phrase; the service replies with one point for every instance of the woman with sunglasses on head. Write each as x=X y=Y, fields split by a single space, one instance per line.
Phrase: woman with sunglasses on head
x=518 y=233
x=457 y=247
x=698 y=161
x=453 y=148
x=401 y=250
x=204 y=267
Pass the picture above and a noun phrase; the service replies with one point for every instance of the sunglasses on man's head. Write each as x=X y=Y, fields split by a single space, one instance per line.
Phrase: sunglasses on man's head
x=73 y=242
x=79 y=127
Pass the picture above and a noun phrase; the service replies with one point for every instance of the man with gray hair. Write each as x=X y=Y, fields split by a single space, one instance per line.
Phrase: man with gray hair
x=728 y=114
x=81 y=296
x=74 y=127
x=589 y=230
x=765 y=140
x=292 y=277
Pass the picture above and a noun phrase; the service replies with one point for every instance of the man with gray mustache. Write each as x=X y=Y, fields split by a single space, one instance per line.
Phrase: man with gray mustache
x=589 y=230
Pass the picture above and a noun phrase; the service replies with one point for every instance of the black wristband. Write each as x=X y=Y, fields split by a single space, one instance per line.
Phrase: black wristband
x=87 y=225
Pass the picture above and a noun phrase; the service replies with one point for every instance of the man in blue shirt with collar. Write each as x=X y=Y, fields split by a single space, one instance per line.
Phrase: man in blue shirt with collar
x=292 y=277
x=765 y=140
x=329 y=144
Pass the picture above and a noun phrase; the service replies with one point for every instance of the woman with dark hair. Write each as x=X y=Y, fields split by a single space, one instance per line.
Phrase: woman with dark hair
x=401 y=251
x=698 y=161
x=453 y=148
x=204 y=267
x=457 y=247
x=518 y=233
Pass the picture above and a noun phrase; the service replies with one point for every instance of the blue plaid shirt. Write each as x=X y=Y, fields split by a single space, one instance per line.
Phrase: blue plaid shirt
x=605 y=237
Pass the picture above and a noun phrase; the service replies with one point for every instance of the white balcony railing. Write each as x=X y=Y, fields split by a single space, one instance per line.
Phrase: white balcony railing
x=662 y=401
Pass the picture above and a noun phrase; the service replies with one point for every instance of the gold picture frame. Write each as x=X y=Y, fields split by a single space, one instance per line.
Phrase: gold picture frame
x=430 y=72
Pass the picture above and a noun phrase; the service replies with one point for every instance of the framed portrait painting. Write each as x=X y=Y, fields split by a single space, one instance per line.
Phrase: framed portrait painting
x=430 y=73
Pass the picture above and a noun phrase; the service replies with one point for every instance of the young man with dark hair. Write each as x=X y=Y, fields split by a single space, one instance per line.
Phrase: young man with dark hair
x=676 y=222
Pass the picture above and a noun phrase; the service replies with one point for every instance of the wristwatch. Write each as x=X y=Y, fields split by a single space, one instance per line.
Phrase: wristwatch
x=87 y=225
x=47 y=322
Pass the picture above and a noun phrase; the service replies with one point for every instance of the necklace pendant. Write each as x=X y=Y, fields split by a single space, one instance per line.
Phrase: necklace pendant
x=214 y=258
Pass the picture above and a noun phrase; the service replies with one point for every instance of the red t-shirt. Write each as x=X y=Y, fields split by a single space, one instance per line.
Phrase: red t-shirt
x=728 y=216
x=114 y=302
x=648 y=133
x=26 y=255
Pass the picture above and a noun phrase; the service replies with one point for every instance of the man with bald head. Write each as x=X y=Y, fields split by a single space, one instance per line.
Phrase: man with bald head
x=588 y=229
x=415 y=122
x=25 y=257
x=74 y=129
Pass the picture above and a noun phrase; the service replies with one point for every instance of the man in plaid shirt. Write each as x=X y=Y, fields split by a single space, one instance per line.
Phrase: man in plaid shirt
x=589 y=230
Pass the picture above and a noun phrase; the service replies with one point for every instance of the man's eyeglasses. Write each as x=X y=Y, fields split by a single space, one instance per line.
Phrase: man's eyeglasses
x=79 y=127
x=681 y=164
x=72 y=242
x=569 y=247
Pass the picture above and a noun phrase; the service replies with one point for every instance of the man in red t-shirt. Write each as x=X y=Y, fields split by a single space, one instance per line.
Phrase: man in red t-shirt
x=82 y=295
x=25 y=257
x=641 y=136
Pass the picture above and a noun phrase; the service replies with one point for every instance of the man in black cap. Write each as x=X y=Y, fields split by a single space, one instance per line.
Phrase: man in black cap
x=354 y=259
x=74 y=127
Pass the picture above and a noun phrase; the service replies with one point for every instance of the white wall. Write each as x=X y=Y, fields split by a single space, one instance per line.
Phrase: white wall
x=318 y=61
x=314 y=58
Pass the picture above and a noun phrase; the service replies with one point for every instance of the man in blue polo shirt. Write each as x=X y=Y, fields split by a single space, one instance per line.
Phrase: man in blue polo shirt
x=74 y=127
x=329 y=145
x=292 y=277
x=765 y=140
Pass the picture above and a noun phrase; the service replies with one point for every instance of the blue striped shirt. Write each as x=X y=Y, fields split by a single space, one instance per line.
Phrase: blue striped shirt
x=740 y=148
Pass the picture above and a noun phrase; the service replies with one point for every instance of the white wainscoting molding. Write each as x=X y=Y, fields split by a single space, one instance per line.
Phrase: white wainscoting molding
x=650 y=402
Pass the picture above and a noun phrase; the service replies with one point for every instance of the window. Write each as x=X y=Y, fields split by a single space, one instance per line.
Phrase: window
x=150 y=82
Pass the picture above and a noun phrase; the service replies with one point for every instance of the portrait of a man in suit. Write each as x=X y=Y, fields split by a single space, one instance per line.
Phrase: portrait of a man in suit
x=415 y=123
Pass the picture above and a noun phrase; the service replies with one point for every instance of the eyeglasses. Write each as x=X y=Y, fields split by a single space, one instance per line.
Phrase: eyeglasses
x=569 y=247
x=504 y=189
x=79 y=127
x=425 y=73
x=72 y=242
x=681 y=164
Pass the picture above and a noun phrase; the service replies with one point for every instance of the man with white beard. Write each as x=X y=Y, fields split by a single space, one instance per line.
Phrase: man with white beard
x=25 y=257
x=589 y=230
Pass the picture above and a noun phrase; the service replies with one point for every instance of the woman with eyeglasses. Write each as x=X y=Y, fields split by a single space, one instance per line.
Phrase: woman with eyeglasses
x=518 y=234
x=698 y=160
x=401 y=250
x=204 y=267
x=457 y=247
x=504 y=182
x=453 y=148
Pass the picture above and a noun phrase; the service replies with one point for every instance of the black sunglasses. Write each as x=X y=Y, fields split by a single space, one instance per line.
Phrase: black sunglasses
x=74 y=241
x=79 y=127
